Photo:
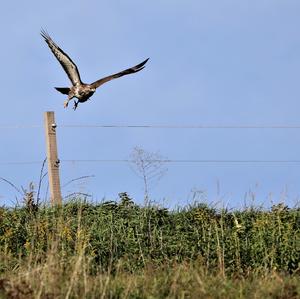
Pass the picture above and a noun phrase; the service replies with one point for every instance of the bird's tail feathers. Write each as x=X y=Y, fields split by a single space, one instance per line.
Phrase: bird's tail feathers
x=64 y=90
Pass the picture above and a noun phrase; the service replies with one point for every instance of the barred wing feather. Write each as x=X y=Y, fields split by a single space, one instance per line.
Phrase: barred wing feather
x=66 y=62
x=131 y=70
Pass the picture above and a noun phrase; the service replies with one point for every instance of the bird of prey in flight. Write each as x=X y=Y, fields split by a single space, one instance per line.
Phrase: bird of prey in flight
x=79 y=90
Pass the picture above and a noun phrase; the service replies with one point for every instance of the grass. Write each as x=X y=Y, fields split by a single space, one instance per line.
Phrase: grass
x=121 y=250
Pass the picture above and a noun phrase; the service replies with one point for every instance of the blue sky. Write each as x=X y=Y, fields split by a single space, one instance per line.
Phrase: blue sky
x=211 y=63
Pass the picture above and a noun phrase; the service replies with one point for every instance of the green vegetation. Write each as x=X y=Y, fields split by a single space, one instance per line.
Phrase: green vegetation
x=121 y=250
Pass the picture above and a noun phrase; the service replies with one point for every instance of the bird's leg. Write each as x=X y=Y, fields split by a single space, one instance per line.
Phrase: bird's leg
x=75 y=105
x=66 y=102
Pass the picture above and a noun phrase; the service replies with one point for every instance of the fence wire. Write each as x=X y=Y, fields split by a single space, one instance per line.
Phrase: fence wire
x=199 y=161
x=108 y=126
x=182 y=161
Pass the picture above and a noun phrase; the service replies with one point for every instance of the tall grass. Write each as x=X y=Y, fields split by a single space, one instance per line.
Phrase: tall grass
x=119 y=250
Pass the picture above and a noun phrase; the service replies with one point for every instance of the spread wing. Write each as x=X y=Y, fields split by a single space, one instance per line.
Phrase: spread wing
x=131 y=70
x=66 y=62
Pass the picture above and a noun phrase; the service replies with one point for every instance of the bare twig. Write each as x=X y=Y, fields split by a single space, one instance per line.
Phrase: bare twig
x=40 y=181
x=12 y=185
x=149 y=167
x=78 y=193
x=77 y=179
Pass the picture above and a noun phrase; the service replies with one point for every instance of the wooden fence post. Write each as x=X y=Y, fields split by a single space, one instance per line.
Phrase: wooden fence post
x=52 y=159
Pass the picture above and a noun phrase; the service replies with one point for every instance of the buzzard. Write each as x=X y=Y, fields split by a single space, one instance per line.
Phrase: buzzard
x=80 y=90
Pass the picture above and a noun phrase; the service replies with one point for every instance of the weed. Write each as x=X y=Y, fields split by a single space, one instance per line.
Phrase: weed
x=118 y=249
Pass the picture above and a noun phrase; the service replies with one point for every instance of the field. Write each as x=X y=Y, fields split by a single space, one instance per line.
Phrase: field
x=121 y=250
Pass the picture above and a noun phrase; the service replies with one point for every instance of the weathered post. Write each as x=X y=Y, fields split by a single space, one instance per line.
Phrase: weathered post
x=52 y=158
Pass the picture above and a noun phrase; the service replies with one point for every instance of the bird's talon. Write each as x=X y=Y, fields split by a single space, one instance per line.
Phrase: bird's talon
x=75 y=105
x=66 y=103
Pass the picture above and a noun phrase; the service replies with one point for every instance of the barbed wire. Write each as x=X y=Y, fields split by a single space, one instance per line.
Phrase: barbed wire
x=180 y=161
x=21 y=162
x=157 y=126
x=162 y=161
x=183 y=126
x=20 y=126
